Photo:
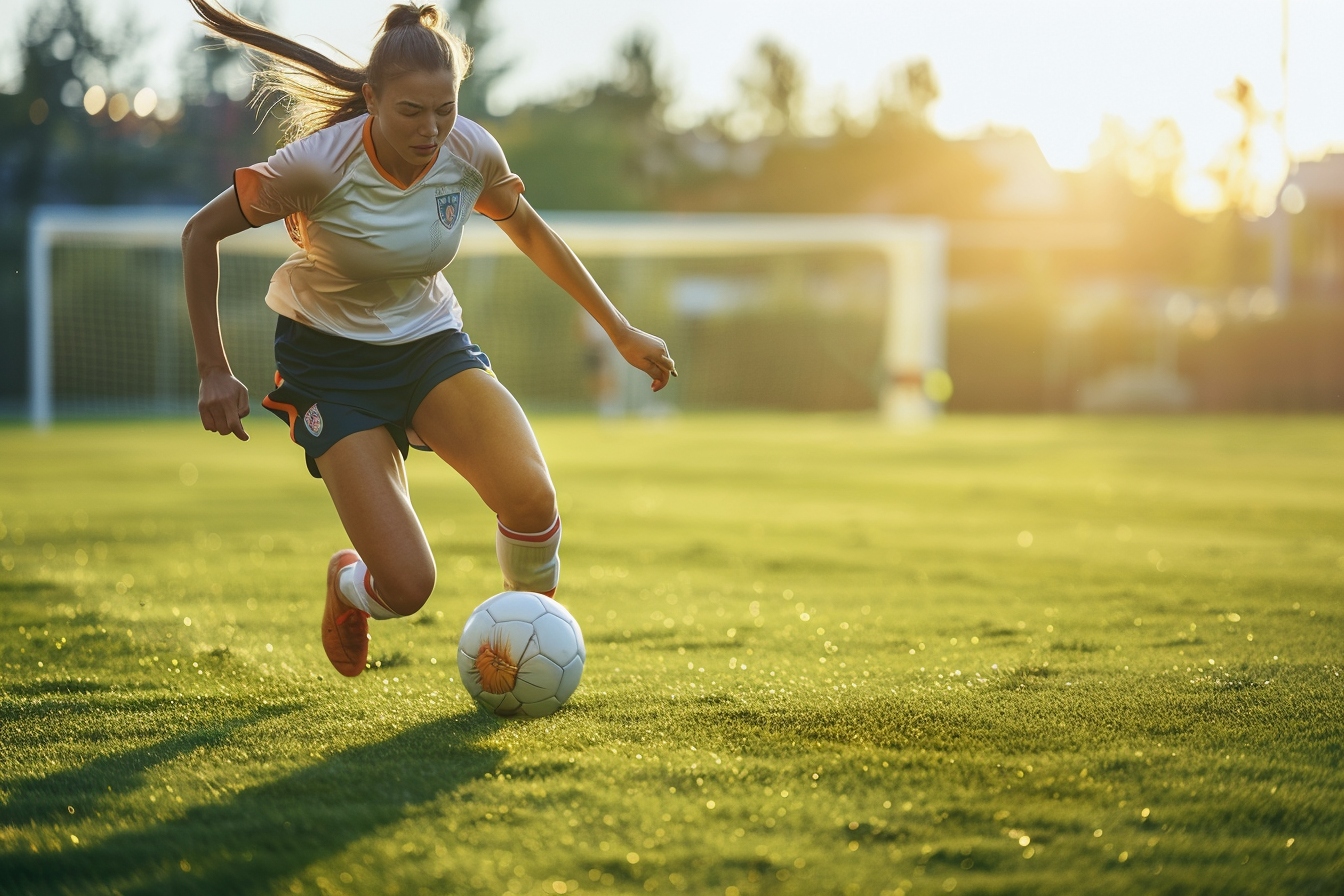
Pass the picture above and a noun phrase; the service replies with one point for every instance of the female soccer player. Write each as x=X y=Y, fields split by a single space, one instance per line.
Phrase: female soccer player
x=370 y=353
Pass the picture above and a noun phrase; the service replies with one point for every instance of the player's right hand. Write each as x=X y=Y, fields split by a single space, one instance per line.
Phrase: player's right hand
x=648 y=353
x=223 y=404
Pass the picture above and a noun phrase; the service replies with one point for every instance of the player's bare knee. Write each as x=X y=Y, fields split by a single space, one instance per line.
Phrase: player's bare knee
x=405 y=591
x=535 y=509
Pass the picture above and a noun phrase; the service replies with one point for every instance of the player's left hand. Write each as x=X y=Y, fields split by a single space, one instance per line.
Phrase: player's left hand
x=647 y=353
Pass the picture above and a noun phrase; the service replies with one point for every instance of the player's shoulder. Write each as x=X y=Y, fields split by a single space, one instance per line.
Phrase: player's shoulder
x=472 y=142
x=329 y=148
x=314 y=165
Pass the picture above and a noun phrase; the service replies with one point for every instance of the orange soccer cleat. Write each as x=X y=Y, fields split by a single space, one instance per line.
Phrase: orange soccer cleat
x=345 y=629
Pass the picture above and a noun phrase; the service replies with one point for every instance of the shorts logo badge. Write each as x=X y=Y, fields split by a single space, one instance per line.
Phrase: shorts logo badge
x=449 y=205
x=312 y=420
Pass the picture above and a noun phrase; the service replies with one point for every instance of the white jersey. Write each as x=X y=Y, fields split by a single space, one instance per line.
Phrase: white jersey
x=371 y=249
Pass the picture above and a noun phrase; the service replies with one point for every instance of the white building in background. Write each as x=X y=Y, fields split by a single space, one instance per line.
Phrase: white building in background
x=1308 y=229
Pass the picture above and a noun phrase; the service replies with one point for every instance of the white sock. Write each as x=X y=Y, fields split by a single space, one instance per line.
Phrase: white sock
x=357 y=588
x=530 y=561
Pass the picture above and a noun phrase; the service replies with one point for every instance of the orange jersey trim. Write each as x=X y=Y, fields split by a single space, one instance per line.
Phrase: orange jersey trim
x=373 y=157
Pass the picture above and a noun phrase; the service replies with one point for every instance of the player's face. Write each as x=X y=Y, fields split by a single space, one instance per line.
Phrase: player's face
x=415 y=113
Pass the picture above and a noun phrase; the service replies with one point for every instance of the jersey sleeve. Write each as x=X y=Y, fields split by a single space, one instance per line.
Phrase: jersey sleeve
x=289 y=183
x=499 y=198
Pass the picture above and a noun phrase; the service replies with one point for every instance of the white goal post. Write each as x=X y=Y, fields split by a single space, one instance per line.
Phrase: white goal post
x=913 y=253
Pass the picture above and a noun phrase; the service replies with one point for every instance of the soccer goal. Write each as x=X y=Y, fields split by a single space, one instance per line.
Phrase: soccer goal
x=788 y=312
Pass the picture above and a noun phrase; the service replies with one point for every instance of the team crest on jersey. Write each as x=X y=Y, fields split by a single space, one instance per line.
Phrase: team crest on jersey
x=449 y=205
x=312 y=420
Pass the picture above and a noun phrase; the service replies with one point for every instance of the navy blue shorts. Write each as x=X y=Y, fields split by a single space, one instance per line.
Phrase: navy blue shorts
x=328 y=387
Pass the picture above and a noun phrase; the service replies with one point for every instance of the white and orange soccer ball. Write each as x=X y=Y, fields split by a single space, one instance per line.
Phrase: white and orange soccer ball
x=521 y=654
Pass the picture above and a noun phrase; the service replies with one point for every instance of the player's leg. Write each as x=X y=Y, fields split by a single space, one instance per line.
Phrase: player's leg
x=366 y=478
x=391 y=571
x=473 y=423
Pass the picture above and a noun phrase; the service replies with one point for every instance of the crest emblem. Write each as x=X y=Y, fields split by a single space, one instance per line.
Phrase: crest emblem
x=449 y=205
x=312 y=420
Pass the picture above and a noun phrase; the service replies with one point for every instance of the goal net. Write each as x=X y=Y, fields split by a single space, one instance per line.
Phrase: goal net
x=760 y=312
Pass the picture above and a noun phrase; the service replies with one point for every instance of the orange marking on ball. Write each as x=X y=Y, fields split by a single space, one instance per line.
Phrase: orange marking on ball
x=495 y=665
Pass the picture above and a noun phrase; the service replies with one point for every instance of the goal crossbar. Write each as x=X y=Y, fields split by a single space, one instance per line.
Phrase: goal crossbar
x=913 y=250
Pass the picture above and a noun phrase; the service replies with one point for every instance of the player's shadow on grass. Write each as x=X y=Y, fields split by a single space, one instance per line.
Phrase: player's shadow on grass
x=260 y=838
x=90 y=786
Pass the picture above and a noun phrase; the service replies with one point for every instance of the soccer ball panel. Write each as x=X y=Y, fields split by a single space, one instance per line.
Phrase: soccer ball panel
x=510 y=640
x=471 y=679
x=507 y=706
x=488 y=700
x=541 y=708
x=514 y=606
x=556 y=608
x=569 y=679
x=538 y=678
x=555 y=637
x=476 y=632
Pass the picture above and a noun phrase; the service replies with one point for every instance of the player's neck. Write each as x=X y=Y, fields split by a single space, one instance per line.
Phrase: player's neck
x=391 y=161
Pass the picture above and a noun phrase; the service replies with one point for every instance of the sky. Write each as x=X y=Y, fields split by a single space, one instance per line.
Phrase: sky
x=1053 y=67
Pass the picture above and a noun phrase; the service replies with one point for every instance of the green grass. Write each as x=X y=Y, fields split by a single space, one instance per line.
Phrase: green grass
x=820 y=660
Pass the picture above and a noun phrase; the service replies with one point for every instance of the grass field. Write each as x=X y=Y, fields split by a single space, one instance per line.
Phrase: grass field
x=997 y=656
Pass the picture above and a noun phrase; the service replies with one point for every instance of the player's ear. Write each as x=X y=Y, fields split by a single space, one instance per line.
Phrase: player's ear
x=367 y=91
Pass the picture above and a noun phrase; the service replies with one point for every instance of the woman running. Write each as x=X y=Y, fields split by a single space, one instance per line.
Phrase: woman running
x=370 y=355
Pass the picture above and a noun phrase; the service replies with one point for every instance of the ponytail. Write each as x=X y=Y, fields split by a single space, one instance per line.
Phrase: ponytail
x=315 y=90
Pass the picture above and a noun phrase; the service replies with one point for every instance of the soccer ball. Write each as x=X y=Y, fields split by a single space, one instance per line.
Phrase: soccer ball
x=521 y=654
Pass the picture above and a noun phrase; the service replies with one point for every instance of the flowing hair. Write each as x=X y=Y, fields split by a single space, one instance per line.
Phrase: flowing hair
x=314 y=90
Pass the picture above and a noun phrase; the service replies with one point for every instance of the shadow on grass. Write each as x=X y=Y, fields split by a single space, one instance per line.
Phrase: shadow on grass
x=265 y=835
x=90 y=785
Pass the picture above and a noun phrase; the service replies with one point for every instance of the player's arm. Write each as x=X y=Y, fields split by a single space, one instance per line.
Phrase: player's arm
x=556 y=260
x=223 y=399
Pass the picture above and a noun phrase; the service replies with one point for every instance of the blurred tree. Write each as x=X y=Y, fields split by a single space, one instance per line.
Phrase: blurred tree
x=214 y=70
x=772 y=94
x=219 y=126
x=912 y=90
x=606 y=147
x=900 y=165
x=1234 y=171
x=470 y=19
x=1226 y=255
x=1132 y=181
x=62 y=58
x=1149 y=162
